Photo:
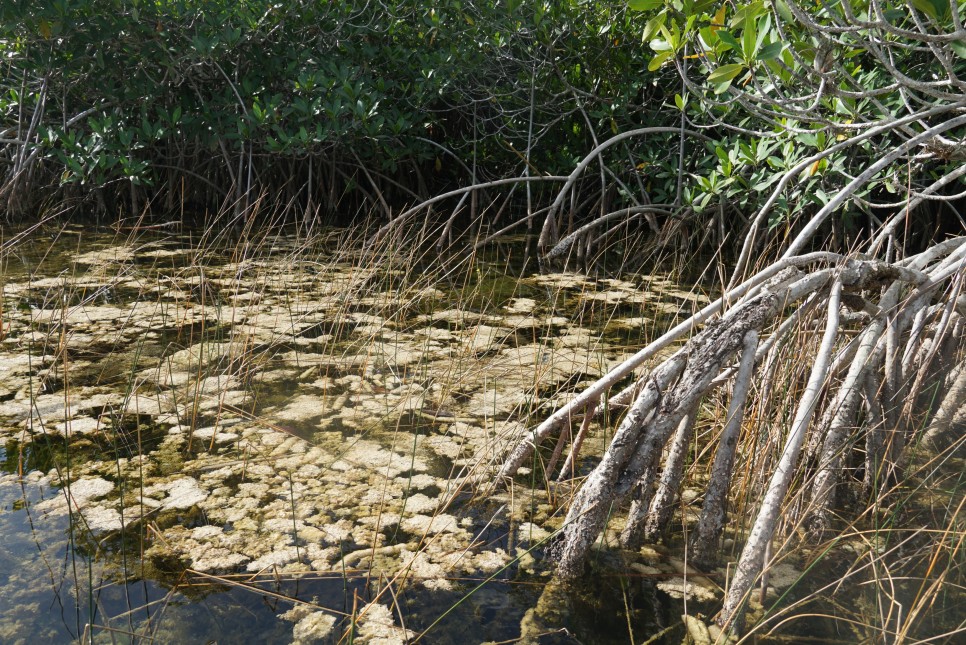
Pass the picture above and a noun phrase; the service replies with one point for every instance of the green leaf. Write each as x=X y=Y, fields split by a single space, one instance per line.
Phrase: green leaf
x=935 y=9
x=784 y=12
x=653 y=25
x=659 y=60
x=926 y=7
x=725 y=73
x=644 y=5
x=893 y=15
x=708 y=37
x=729 y=39
x=749 y=36
x=679 y=101
x=673 y=37
x=770 y=51
x=764 y=28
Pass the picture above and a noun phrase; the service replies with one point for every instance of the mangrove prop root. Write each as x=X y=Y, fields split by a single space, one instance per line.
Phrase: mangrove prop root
x=859 y=387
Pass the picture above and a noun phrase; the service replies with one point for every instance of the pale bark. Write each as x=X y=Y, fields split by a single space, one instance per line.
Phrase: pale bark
x=749 y=244
x=548 y=231
x=751 y=562
x=845 y=408
x=635 y=445
x=675 y=387
x=593 y=501
x=863 y=178
x=942 y=431
x=874 y=434
x=780 y=273
x=568 y=470
x=662 y=505
x=641 y=496
x=704 y=539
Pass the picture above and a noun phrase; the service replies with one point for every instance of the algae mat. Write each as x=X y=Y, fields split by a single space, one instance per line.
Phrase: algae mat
x=272 y=438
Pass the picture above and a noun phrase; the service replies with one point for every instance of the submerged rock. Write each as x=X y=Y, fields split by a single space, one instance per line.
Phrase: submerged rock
x=78 y=494
x=181 y=493
x=680 y=588
x=377 y=627
x=101 y=519
x=195 y=392
x=312 y=628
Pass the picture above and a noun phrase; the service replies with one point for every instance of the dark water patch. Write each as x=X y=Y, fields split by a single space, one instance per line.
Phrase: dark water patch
x=48 y=382
x=335 y=371
x=306 y=429
x=526 y=336
x=336 y=329
x=43 y=452
x=189 y=519
x=394 y=535
x=423 y=422
x=491 y=614
x=628 y=338
x=445 y=324
x=595 y=313
x=204 y=609
x=439 y=465
x=432 y=492
x=93 y=352
x=464 y=395
x=171 y=256
x=70 y=297
x=501 y=282
x=323 y=346
x=119 y=436
x=333 y=424
x=581 y=613
x=269 y=394
x=608 y=608
x=576 y=382
x=177 y=337
x=40 y=454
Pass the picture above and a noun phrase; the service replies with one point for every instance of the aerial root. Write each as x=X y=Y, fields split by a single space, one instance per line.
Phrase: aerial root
x=893 y=334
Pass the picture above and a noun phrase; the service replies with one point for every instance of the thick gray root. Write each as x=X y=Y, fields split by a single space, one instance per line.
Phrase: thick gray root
x=943 y=431
x=636 y=443
x=662 y=506
x=704 y=539
x=844 y=408
x=752 y=556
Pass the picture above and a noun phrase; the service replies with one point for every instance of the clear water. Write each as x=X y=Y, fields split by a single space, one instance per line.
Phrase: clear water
x=62 y=581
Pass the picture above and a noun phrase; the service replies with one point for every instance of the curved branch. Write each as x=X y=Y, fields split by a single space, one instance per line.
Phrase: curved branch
x=405 y=215
x=545 y=233
x=566 y=242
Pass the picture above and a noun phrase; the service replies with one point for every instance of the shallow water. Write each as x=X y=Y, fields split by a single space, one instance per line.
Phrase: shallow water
x=223 y=440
